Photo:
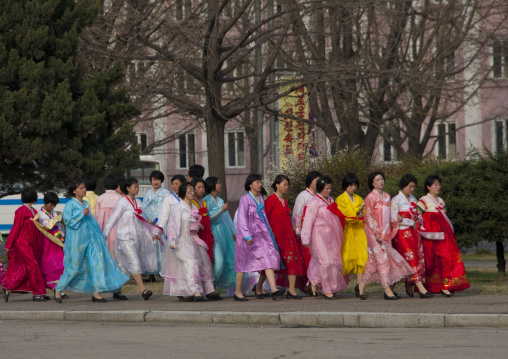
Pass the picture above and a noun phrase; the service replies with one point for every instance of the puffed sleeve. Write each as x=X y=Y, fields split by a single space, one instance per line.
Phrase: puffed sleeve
x=175 y=223
x=73 y=215
x=164 y=213
x=310 y=217
x=243 y=230
x=370 y=217
x=347 y=208
x=298 y=212
x=115 y=217
x=19 y=217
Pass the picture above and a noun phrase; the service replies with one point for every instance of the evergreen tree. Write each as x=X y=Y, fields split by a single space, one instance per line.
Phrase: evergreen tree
x=56 y=124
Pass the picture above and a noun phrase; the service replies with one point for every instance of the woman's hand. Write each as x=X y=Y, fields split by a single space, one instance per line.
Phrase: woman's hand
x=201 y=227
x=234 y=237
x=8 y=253
x=86 y=211
x=192 y=233
x=379 y=239
x=399 y=218
x=225 y=207
x=156 y=237
x=250 y=241
x=172 y=247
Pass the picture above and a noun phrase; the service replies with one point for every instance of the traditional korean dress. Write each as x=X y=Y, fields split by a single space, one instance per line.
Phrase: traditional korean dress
x=252 y=224
x=3 y=272
x=277 y=212
x=186 y=269
x=165 y=211
x=91 y=198
x=444 y=268
x=152 y=203
x=323 y=233
x=407 y=241
x=88 y=265
x=298 y=215
x=224 y=249
x=206 y=234
x=103 y=209
x=26 y=244
x=134 y=251
x=385 y=265
x=51 y=261
x=354 y=246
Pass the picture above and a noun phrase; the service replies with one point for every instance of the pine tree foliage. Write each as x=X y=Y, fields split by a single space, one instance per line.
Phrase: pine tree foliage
x=56 y=124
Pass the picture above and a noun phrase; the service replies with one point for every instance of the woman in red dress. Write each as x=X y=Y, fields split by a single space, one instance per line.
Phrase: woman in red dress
x=277 y=212
x=24 y=249
x=444 y=268
x=206 y=234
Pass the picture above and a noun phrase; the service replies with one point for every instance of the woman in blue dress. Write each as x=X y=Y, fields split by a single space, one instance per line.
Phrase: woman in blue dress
x=89 y=267
x=224 y=233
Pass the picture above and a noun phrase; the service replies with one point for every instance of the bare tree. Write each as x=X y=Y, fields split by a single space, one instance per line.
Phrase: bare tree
x=394 y=68
x=204 y=62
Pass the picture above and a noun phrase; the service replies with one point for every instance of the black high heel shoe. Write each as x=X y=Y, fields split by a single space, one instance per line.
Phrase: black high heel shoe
x=410 y=294
x=146 y=294
x=102 y=300
x=238 y=299
x=58 y=300
x=38 y=298
x=333 y=297
x=291 y=296
x=278 y=293
x=390 y=298
x=7 y=293
x=447 y=295
x=426 y=295
x=357 y=293
x=398 y=296
x=258 y=295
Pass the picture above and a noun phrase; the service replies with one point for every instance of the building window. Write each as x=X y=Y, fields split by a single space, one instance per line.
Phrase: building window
x=447 y=141
x=235 y=149
x=141 y=140
x=186 y=146
x=500 y=58
x=501 y=135
x=390 y=153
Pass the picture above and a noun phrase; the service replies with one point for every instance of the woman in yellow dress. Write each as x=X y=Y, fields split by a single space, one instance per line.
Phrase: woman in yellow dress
x=354 y=247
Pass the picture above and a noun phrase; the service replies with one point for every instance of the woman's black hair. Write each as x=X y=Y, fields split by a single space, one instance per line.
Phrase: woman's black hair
x=120 y=180
x=253 y=177
x=210 y=184
x=195 y=181
x=157 y=175
x=263 y=191
x=127 y=183
x=322 y=182
x=278 y=180
x=110 y=182
x=182 y=190
x=29 y=195
x=311 y=176
x=90 y=183
x=349 y=179
x=196 y=171
x=51 y=197
x=72 y=187
x=371 y=177
x=181 y=178
x=406 y=179
x=429 y=181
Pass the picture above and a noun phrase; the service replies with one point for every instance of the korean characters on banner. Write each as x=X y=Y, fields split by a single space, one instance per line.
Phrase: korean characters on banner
x=294 y=134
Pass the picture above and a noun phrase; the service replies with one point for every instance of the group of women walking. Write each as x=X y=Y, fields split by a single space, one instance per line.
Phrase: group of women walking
x=187 y=236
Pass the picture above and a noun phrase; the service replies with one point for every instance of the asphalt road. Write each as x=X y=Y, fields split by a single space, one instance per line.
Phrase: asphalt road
x=140 y=340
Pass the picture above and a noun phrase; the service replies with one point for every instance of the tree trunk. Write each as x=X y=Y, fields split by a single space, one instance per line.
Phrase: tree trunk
x=252 y=136
x=501 y=261
x=215 y=149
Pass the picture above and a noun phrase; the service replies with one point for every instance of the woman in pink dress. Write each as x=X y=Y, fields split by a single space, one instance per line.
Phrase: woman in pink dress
x=385 y=265
x=24 y=249
x=256 y=248
x=323 y=233
x=104 y=208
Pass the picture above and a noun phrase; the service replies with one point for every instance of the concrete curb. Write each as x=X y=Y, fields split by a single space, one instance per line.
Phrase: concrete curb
x=325 y=319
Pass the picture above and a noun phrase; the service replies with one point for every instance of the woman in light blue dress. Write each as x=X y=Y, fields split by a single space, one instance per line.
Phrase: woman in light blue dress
x=89 y=267
x=224 y=233
x=152 y=203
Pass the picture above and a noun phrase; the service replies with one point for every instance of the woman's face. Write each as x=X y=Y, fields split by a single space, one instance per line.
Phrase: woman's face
x=435 y=188
x=218 y=187
x=283 y=186
x=351 y=188
x=200 y=190
x=312 y=186
x=325 y=193
x=175 y=185
x=409 y=189
x=379 y=182
x=256 y=185
x=133 y=189
x=189 y=195
x=156 y=183
x=80 y=191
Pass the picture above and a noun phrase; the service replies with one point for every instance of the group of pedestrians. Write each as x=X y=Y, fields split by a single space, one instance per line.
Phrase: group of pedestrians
x=188 y=237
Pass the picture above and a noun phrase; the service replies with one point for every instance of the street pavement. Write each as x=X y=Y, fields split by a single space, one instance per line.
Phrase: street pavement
x=141 y=340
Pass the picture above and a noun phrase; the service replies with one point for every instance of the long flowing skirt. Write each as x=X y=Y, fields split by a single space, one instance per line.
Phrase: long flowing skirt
x=409 y=245
x=186 y=269
x=51 y=263
x=223 y=256
x=88 y=264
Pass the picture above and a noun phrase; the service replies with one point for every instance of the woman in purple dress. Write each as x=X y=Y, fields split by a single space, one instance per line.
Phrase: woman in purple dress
x=256 y=249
